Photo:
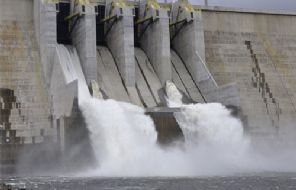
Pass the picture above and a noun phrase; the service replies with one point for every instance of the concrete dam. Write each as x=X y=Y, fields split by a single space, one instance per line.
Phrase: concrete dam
x=127 y=51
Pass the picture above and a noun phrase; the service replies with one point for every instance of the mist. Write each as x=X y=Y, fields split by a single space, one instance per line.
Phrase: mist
x=124 y=141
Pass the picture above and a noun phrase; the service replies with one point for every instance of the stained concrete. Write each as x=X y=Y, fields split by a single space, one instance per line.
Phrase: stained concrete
x=27 y=106
x=256 y=50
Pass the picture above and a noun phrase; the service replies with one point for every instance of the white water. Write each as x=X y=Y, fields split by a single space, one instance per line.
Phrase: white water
x=125 y=144
x=207 y=124
x=124 y=140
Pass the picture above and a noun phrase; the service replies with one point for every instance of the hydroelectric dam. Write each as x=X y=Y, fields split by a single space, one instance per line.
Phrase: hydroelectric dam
x=53 y=51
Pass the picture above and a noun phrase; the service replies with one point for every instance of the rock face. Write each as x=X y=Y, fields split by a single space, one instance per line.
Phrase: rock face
x=25 y=110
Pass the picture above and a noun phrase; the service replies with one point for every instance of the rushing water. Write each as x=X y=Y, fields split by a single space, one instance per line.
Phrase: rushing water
x=215 y=155
x=124 y=139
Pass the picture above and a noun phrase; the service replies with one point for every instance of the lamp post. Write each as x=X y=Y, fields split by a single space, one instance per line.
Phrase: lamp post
x=206 y=3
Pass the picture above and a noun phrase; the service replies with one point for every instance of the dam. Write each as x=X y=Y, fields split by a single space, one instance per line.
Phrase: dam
x=51 y=50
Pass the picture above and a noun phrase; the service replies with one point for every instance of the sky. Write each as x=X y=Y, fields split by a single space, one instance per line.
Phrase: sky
x=289 y=5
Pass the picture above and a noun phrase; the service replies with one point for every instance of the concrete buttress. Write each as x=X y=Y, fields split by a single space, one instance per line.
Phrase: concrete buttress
x=153 y=33
x=83 y=33
x=119 y=31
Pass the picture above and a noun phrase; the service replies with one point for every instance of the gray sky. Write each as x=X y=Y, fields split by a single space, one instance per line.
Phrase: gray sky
x=255 y=4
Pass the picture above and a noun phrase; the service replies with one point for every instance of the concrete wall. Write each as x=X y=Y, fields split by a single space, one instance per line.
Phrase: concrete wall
x=84 y=39
x=120 y=41
x=25 y=114
x=66 y=81
x=187 y=38
x=155 y=39
x=148 y=84
x=16 y=10
x=183 y=80
x=263 y=70
x=188 y=42
x=63 y=85
x=109 y=78
x=168 y=129
x=46 y=34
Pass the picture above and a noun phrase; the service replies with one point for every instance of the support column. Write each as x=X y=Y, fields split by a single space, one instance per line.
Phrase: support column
x=83 y=33
x=119 y=31
x=187 y=38
x=153 y=32
x=60 y=124
x=45 y=13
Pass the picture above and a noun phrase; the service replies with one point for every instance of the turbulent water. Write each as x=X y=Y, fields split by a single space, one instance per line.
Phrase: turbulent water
x=255 y=182
x=215 y=155
x=124 y=140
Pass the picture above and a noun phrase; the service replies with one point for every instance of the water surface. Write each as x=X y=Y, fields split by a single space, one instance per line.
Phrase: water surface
x=262 y=181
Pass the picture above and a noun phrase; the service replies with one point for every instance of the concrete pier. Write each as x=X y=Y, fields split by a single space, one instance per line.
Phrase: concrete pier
x=83 y=33
x=153 y=33
x=184 y=80
x=119 y=31
x=169 y=132
x=187 y=40
x=45 y=14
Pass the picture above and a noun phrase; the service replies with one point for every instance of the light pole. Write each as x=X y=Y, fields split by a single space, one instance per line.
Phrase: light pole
x=206 y=3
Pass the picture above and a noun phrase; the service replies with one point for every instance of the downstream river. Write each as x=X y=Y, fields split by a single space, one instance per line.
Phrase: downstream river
x=260 y=181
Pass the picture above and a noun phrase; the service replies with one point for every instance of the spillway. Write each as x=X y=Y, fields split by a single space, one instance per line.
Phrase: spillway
x=183 y=79
x=109 y=77
x=147 y=85
x=56 y=54
x=125 y=143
